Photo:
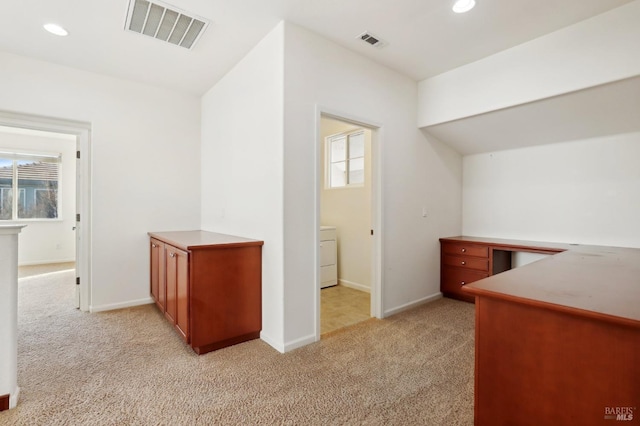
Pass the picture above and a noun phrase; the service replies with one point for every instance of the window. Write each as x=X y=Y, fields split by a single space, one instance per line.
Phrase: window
x=29 y=186
x=345 y=159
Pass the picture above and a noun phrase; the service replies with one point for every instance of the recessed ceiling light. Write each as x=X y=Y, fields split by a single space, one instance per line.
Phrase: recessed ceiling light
x=462 y=6
x=56 y=29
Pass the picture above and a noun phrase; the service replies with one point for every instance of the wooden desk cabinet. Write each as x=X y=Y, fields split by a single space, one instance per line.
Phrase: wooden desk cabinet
x=558 y=341
x=208 y=285
x=464 y=260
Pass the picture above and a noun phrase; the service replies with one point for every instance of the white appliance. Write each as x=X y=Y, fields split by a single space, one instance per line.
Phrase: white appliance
x=328 y=256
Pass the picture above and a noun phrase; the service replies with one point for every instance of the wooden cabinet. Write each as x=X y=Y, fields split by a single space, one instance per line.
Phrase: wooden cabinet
x=208 y=285
x=462 y=263
x=558 y=342
x=158 y=289
x=464 y=260
x=177 y=289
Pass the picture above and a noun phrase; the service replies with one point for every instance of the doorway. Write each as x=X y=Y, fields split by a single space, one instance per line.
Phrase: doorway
x=348 y=215
x=64 y=236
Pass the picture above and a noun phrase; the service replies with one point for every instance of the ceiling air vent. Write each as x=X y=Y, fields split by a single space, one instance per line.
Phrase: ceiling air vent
x=369 y=38
x=165 y=22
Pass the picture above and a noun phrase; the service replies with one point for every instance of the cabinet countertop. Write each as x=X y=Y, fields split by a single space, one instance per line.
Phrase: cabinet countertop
x=198 y=239
x=593 y=281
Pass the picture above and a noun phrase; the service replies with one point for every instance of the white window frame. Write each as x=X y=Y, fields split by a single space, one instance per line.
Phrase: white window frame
x=30 y=156
x=328 y=162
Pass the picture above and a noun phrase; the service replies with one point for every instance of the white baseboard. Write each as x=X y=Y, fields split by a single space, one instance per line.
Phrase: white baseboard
x=287 y=347
x=298 y=343
x=13 y=398
x=410 y=305
x=353 y=285
x=46 y=262
x=113 y=306
x=272 y=342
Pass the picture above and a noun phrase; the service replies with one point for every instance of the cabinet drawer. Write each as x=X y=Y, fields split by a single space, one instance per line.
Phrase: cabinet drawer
x=327 y=234
x=328 y=253
x=465 y=249
x=453 y=279
x=467 y=262
x=329 y=275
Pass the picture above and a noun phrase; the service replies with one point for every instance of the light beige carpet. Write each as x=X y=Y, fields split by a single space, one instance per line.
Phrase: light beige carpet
x=129 y=367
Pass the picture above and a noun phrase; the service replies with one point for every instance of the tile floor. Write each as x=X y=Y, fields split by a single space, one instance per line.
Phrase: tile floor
x=342 y=306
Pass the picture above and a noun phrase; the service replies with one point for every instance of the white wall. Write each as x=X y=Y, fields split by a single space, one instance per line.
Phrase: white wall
x=349 y=210
x=48 y=241
x=417 y=172
x=585 y=192
x=145 y=146
x=595 y=51
x=242 y=155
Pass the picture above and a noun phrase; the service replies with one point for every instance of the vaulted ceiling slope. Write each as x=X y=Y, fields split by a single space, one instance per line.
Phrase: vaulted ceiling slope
x=424 y=38
x=605 y=110
x=577 y=83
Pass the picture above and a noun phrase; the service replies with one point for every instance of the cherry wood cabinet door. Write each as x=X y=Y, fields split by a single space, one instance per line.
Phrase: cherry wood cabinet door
x=182 y=293
x=177 y=283
x=158 y=287
x=171 y=276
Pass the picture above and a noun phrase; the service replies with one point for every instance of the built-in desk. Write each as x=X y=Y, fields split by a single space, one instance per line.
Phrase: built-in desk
x=464 y=260
x=558 y=340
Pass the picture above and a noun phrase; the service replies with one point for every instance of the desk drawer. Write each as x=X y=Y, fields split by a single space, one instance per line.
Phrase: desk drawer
x=453 y=279
x=465 y=249
x=467 y=262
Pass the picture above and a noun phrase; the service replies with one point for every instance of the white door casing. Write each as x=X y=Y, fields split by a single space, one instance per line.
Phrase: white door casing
x=82 y=132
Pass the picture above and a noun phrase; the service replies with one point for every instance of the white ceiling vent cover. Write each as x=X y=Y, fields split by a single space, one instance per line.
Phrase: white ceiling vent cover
x=369 y=38
x=165 y=22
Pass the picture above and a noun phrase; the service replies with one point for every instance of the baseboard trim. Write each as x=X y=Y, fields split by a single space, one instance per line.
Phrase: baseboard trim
x=271 y=342
x=356 y=286
x=4 y=402
x=287 y=347
x=114 y=306
x=46 y=262
x=411 y=305
x=298 y=343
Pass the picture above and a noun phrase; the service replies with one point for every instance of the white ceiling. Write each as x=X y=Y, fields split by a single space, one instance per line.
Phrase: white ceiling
x=424 y=37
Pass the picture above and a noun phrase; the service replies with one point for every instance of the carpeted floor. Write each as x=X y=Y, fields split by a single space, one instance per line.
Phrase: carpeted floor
x=129 y=367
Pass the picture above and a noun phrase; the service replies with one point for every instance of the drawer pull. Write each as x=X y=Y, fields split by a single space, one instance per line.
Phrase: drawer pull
x=464 y=250
x=463 y=262
x=462 y=283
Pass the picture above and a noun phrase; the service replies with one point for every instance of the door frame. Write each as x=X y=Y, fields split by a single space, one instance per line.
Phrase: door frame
x=82 y=132
x=377 y=255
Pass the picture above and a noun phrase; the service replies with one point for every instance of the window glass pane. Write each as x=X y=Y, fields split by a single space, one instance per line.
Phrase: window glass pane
x=338 y=149
x=356 y=145
x=338 y=174
x=37 y=189
x=6 y=185
x=356 y=171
